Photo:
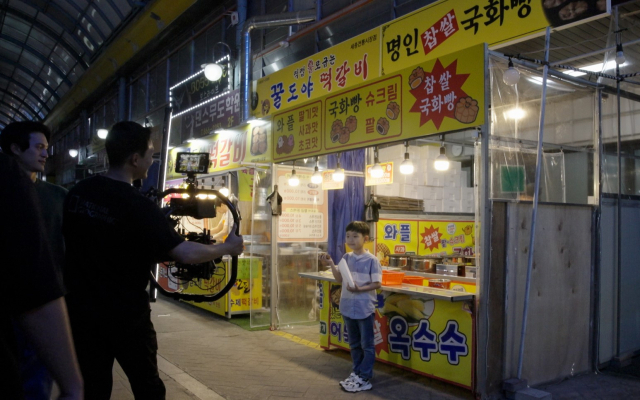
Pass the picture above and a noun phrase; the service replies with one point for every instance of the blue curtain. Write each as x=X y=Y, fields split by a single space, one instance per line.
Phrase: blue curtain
x=345 y=205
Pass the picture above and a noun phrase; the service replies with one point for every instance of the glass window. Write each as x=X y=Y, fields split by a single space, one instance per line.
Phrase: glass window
x=139 y=97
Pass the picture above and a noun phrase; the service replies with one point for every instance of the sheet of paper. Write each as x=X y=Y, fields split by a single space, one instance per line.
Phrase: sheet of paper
x=347 y=279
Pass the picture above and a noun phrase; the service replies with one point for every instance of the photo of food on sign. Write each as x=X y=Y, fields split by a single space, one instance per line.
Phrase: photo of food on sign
x=265 y=107
x=342 y=133
x=382 y=254
x=258 y=141
x=413 y=309
x=561 y=12
x=285 y=144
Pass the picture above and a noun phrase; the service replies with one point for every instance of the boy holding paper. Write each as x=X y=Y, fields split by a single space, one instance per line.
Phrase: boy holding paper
x=360 y=274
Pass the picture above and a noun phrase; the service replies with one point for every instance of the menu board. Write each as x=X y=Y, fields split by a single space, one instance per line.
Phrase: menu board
x=304 y=208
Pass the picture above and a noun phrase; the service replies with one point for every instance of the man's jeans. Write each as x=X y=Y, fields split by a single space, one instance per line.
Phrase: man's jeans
x=363 y=351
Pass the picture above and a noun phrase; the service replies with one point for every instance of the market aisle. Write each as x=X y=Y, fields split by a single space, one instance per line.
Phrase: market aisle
x=203 y=356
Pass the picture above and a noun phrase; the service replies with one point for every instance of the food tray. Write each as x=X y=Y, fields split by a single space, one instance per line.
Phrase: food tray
x=392 y=277
x=413 y=280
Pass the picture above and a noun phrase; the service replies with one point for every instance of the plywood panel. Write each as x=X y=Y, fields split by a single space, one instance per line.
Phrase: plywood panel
x=557 y=340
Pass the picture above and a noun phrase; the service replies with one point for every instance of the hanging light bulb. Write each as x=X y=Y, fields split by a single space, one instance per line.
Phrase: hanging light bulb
x=511 y=76
x=293 y=179
x=317 y=175
x=338 y=174
x=224 y=191
x=406 y=168
x=73 y=152
x=442 y=162
x=102 y=133
x=376 y=170
x=620 y=58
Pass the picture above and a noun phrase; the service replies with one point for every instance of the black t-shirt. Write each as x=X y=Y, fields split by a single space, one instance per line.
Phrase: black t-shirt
x=114 y=236
x=51 y=202
x=27 y=267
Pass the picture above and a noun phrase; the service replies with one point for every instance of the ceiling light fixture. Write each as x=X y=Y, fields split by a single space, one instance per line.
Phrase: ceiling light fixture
x=338 y=173
x=442 y=161
x=406 y=167
x=376 y=170
x=73 y=152
x=317 y=175
x=103 y=133
x=293 y=179
x=511 y=76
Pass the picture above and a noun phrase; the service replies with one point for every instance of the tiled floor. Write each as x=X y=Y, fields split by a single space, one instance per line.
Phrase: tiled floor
x=203 y=356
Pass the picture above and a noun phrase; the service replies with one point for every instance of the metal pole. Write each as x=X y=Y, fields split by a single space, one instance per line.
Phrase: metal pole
x=273 y=303
x=535 y=201
x=619 y=199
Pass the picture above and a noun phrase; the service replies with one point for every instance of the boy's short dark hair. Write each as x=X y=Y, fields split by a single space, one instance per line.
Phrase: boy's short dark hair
x=126 y=138
x=359 y=227
x=19 y=132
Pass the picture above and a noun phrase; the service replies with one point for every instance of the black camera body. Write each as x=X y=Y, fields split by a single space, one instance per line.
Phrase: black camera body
x=193 y=207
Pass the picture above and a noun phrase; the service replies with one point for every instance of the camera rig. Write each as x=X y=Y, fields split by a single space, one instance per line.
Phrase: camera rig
x=197 y=203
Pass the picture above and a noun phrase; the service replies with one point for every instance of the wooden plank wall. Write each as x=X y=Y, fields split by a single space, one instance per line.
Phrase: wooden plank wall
x=558 y=327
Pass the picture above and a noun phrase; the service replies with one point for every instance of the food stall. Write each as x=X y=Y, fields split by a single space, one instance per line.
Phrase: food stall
x=419 y=326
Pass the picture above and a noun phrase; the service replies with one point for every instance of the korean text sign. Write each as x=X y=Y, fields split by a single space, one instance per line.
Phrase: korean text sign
x=439 y=95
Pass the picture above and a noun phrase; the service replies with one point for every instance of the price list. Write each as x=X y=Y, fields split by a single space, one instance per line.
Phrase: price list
x=301 y=223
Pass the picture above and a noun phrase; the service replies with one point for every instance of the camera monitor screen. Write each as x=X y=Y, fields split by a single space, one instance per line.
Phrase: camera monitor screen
x=192 y=162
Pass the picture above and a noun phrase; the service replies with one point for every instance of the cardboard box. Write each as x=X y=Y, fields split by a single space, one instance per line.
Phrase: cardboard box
x=432 y=206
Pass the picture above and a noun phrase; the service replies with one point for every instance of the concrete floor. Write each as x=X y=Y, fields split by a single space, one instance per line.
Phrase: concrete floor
x=203 y=356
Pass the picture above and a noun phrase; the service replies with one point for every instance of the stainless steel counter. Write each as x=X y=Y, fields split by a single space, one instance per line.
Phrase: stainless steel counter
x=416 y=290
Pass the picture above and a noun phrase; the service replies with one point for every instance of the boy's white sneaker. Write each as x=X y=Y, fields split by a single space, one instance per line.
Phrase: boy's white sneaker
x=358 y=385
x=348 y=380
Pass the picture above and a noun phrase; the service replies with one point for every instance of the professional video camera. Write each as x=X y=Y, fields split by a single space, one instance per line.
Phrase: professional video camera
x=197 y=203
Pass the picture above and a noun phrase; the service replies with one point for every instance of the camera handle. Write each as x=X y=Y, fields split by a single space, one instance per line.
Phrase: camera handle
x=199 y=298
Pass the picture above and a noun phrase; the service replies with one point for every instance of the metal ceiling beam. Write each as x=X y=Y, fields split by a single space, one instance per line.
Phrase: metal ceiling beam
x=84 y=14
x=30 y=73
x=72 y=18
x=45 y=59
x=40 y=102
x=139 y=33
x=10 y=117
x=28 y=118
x=26 y=89
x=48 y=32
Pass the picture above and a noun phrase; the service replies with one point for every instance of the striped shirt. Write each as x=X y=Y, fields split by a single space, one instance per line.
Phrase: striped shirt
x=365 y=268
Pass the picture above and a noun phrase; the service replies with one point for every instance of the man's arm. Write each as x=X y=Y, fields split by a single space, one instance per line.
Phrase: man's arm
x=47 y=327
x=195 y=253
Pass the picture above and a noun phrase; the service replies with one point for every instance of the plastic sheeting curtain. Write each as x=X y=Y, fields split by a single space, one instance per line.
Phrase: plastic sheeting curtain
x=345 y=205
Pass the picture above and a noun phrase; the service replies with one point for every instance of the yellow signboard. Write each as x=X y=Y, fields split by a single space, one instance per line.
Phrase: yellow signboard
x=452 y=25
x=427 y=336
x=399 y=236
x=341 y=66
x=297 y=131
x=440 y=95
x=250 y=143
x=328 y=183
x=385 y=179
x=245 y=294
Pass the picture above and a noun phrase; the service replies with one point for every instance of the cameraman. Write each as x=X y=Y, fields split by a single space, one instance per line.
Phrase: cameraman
x=114 y=236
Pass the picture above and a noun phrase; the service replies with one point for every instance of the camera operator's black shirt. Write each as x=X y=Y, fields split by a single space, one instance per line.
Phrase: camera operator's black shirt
x=114 y=236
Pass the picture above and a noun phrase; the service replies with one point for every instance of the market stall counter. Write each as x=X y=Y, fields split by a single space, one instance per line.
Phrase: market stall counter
x=426 y=330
